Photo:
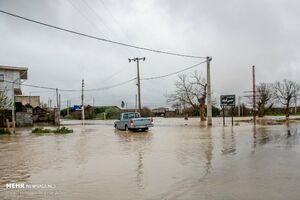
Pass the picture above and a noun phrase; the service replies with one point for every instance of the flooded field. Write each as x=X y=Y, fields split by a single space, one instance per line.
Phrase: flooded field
x=176 y=159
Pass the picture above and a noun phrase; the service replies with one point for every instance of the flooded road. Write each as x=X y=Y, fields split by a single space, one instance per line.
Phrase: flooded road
x=176 y=159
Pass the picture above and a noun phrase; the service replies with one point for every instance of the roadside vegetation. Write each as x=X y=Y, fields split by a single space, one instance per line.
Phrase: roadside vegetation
x=60 y=130
x=4 y=131
x=189 y=99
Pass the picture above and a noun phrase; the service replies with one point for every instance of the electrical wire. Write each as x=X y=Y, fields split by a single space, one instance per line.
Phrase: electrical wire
x=84 y=16
x=173 y=73
x=97 y=15
x=110 y=86
x=70 y=90
x=98 y=38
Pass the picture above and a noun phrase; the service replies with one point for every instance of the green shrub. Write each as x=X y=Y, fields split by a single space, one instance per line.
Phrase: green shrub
x=61 y=130
x=100 y=116
x=112 y=113
x=41 y=130
x=4 y=131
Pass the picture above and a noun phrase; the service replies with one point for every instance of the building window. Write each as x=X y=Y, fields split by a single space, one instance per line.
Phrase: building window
x=1 y=77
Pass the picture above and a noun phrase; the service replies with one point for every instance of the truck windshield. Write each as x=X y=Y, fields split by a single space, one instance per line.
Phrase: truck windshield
x=131 y=115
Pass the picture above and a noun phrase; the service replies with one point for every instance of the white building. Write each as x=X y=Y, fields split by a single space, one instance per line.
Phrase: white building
x=10 y=80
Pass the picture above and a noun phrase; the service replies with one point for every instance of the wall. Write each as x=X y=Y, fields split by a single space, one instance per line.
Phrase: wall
x=34 y=101
x=24 y=118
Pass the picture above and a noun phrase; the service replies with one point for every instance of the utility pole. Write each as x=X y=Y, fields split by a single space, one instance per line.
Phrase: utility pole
x=68 y=109
x=82 y=101
x=296 y=95
x=209 y=103
x=29 y=98
x=50 y=103
x=13 y=114
x=254 y=95
x=59 y=105
x=138 y=78
x=56 y=97
x=136 y=103
x=239 y=109
x=93 y=101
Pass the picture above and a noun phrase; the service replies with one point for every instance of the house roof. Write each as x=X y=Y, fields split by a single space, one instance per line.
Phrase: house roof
x=22 y=70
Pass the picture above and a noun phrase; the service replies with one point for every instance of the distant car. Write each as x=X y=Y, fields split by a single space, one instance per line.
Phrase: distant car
x=133 y=121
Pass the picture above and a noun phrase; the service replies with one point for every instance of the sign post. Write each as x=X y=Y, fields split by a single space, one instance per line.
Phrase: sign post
x=227 y=100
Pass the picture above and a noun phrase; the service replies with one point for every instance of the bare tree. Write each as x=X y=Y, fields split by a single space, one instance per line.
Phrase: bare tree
x=177 y=106
x=265 y=97
x=5 y=102
x=190 y=91
x=285 y=93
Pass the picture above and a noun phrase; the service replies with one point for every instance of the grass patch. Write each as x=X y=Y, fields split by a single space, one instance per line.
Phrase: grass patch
x=61 y=130
x=4 y=131
x=41 y=130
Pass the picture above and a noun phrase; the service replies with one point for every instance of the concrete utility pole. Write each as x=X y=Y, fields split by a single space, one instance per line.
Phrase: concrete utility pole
x=209 y=102
x=50 y=103
x=59 y=105
x=57 y=98
x=296 y=95
x=136 y=103
x=239 y=102
x=254 y=95
x=82 y=100
x=13 y=114
x=68 y=108
x=138 y=78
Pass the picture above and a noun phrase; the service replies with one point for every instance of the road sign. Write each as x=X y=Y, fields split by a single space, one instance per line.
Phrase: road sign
x=77 y=107
x=227 y=100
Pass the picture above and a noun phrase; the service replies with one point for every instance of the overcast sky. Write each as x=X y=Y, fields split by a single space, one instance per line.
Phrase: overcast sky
x=237 y=34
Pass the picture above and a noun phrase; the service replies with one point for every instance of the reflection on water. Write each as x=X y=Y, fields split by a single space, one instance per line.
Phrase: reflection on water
x=229 y=142
x=167 y=162
x=277 y=137
x=137 y=143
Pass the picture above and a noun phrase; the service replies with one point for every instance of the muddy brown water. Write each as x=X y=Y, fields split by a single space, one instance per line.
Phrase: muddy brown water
x=176 y=159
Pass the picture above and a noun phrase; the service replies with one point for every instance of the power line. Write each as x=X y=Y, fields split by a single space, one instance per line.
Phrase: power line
x=84 y=16
x=70 y=90
x=96 y=14
x=34 y=86
x=110 y=86
x=173 y=73
x=98 y=38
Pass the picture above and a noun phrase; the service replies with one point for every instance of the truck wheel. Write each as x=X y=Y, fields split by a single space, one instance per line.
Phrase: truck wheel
x=115 y=126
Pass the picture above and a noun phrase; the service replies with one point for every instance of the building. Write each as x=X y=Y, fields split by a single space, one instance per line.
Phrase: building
x=160 y=112
x=10 y=81
x=34 y=101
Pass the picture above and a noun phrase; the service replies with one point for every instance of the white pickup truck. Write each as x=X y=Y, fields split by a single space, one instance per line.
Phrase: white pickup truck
x=133 y=121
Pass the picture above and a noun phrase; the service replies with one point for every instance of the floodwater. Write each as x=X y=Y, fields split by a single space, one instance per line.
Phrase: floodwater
x=176 y=159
